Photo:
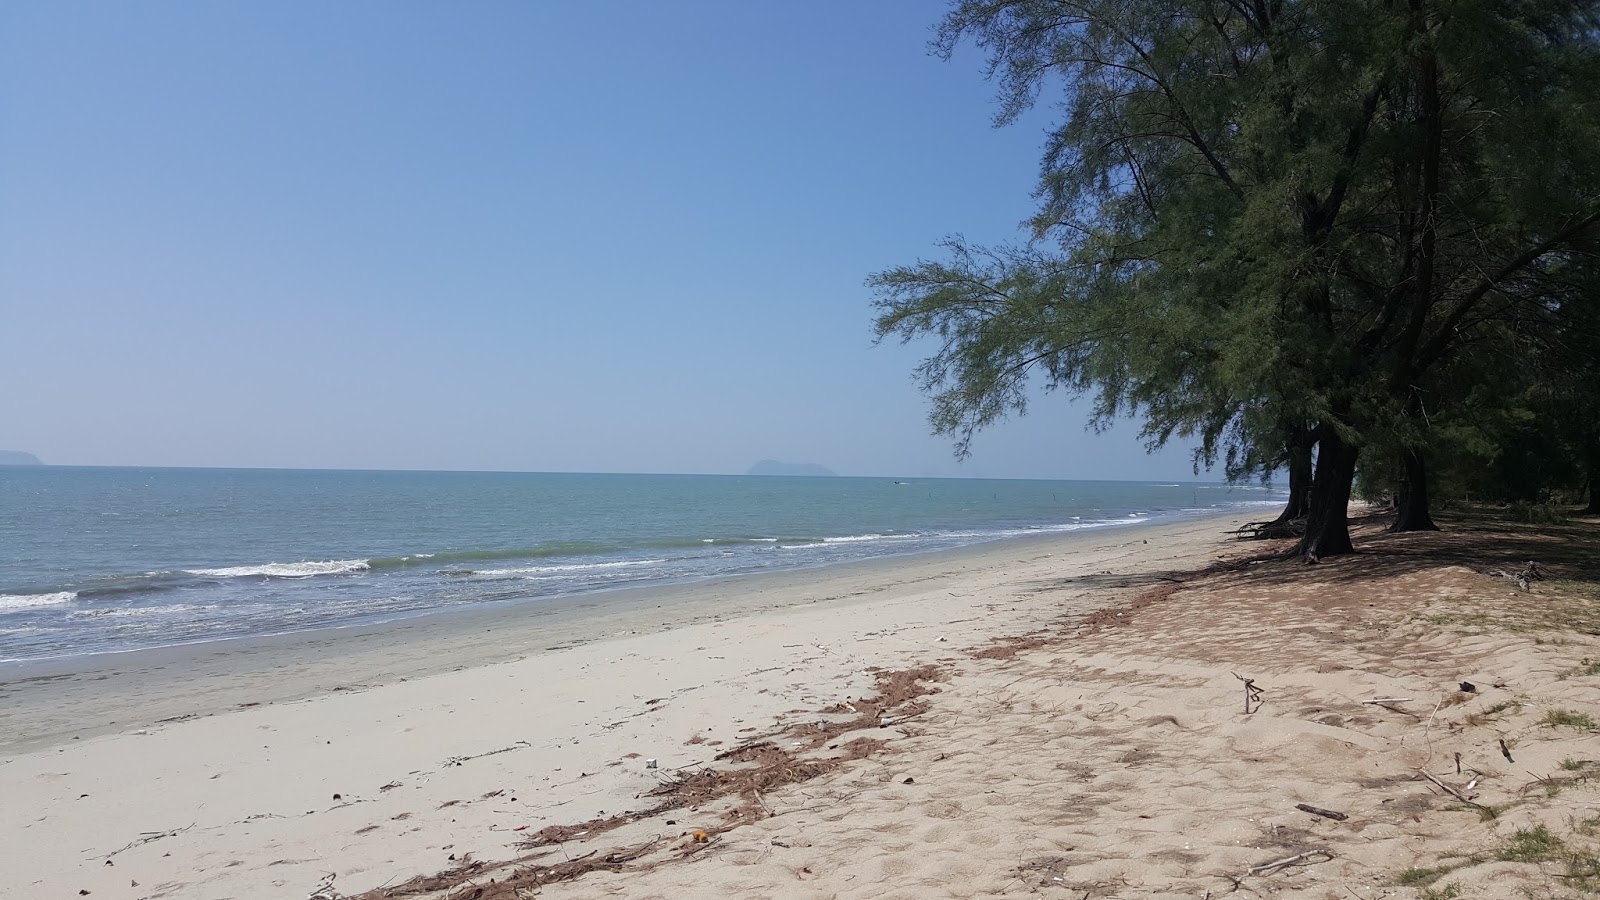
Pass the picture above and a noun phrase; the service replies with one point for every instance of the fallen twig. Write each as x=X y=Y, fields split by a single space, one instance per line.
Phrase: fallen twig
x=324 y=889
x=1275 y=865
x=1454 y=792
x=1319 y=811
x=1251 y=692
x=458 y=760
x=147 y=838
x=1427 y=738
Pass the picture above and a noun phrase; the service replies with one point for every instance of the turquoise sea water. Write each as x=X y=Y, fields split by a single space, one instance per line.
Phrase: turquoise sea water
x=96 y=560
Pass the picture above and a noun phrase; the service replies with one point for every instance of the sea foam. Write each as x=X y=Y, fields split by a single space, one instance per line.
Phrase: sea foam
x=288 y=570
x=16 y=602
x=574 y=567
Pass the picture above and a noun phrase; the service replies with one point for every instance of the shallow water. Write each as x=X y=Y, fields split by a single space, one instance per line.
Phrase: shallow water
x=106 y=559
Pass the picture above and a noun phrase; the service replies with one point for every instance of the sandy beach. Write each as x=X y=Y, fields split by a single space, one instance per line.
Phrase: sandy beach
x=1070 y=720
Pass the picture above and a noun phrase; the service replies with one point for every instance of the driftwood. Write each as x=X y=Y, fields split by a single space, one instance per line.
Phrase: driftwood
x=1319 y=811
x=1523 y=579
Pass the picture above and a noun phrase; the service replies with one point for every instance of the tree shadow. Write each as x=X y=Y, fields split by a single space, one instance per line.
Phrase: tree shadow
x=1486 y=541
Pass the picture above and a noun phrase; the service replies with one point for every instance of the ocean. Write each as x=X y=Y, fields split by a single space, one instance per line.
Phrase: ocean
x=99 y=560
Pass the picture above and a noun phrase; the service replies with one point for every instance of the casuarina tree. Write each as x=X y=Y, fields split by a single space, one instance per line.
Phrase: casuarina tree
x=1268 y=224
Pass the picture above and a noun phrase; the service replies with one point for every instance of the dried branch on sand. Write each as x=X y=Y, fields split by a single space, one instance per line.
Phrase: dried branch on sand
x=759 y=765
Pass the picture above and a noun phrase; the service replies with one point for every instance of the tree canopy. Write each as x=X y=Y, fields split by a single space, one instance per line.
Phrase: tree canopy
x=1270 y=224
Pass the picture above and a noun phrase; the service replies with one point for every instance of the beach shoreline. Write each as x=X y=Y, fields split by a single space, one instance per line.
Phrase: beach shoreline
x=47 y=701
x=237 y=749
x=1062 y=715
x=110 y=561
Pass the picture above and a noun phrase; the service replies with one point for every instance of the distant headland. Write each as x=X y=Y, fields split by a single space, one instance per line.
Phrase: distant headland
x=773 y=467
x=18 y=458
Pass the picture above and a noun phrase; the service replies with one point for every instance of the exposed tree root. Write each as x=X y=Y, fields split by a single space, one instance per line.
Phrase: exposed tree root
x=1277 y=529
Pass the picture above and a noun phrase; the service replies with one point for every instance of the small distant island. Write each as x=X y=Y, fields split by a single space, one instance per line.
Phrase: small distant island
x=18 y=458
x=773 y=467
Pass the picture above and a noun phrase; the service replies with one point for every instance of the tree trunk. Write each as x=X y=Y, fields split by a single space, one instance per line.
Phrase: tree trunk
x=1412 y=497
x=1297 y=449
x=1328 y=523
x=1594 y=479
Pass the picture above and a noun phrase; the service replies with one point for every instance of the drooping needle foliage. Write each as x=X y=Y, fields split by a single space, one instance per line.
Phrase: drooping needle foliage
x=1273 y=224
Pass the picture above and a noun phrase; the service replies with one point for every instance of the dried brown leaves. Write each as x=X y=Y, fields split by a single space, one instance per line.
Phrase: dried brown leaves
x=757 y=766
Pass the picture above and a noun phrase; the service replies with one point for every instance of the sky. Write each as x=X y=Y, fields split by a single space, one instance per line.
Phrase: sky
x=539 y=236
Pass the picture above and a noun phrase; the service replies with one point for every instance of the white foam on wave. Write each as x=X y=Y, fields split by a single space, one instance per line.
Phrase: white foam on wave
x=133 y=612
x=857 y=538
x=572 y=567
x=18 y=602
x=288 y=570
x=1062 y=527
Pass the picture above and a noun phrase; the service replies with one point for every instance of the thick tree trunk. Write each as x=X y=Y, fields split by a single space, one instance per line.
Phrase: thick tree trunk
x=1412 y=498
x=1299 y=458
x=1328 y=523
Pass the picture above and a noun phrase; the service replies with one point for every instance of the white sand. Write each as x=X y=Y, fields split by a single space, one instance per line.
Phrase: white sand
x=1110 y=762
x=377 y=717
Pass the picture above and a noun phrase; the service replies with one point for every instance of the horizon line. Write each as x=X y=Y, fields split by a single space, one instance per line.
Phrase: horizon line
x=47 y=465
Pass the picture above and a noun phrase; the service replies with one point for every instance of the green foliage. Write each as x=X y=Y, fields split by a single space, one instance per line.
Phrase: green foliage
x=1530 y=845
x=1362 y=219
x=1566 y=717
x=1588 y=827
x=1538 y=845
x=1424 y=876
x=1540 y=513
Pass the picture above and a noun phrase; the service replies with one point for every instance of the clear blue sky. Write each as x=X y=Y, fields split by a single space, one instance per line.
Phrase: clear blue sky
x=553 y=236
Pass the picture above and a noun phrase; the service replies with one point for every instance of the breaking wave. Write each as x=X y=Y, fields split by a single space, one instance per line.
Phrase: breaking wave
x=12 y=602
x=287 y=570
x=550 y=570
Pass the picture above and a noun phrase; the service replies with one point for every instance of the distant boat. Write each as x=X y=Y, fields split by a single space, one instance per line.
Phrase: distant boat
x=902 y=482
